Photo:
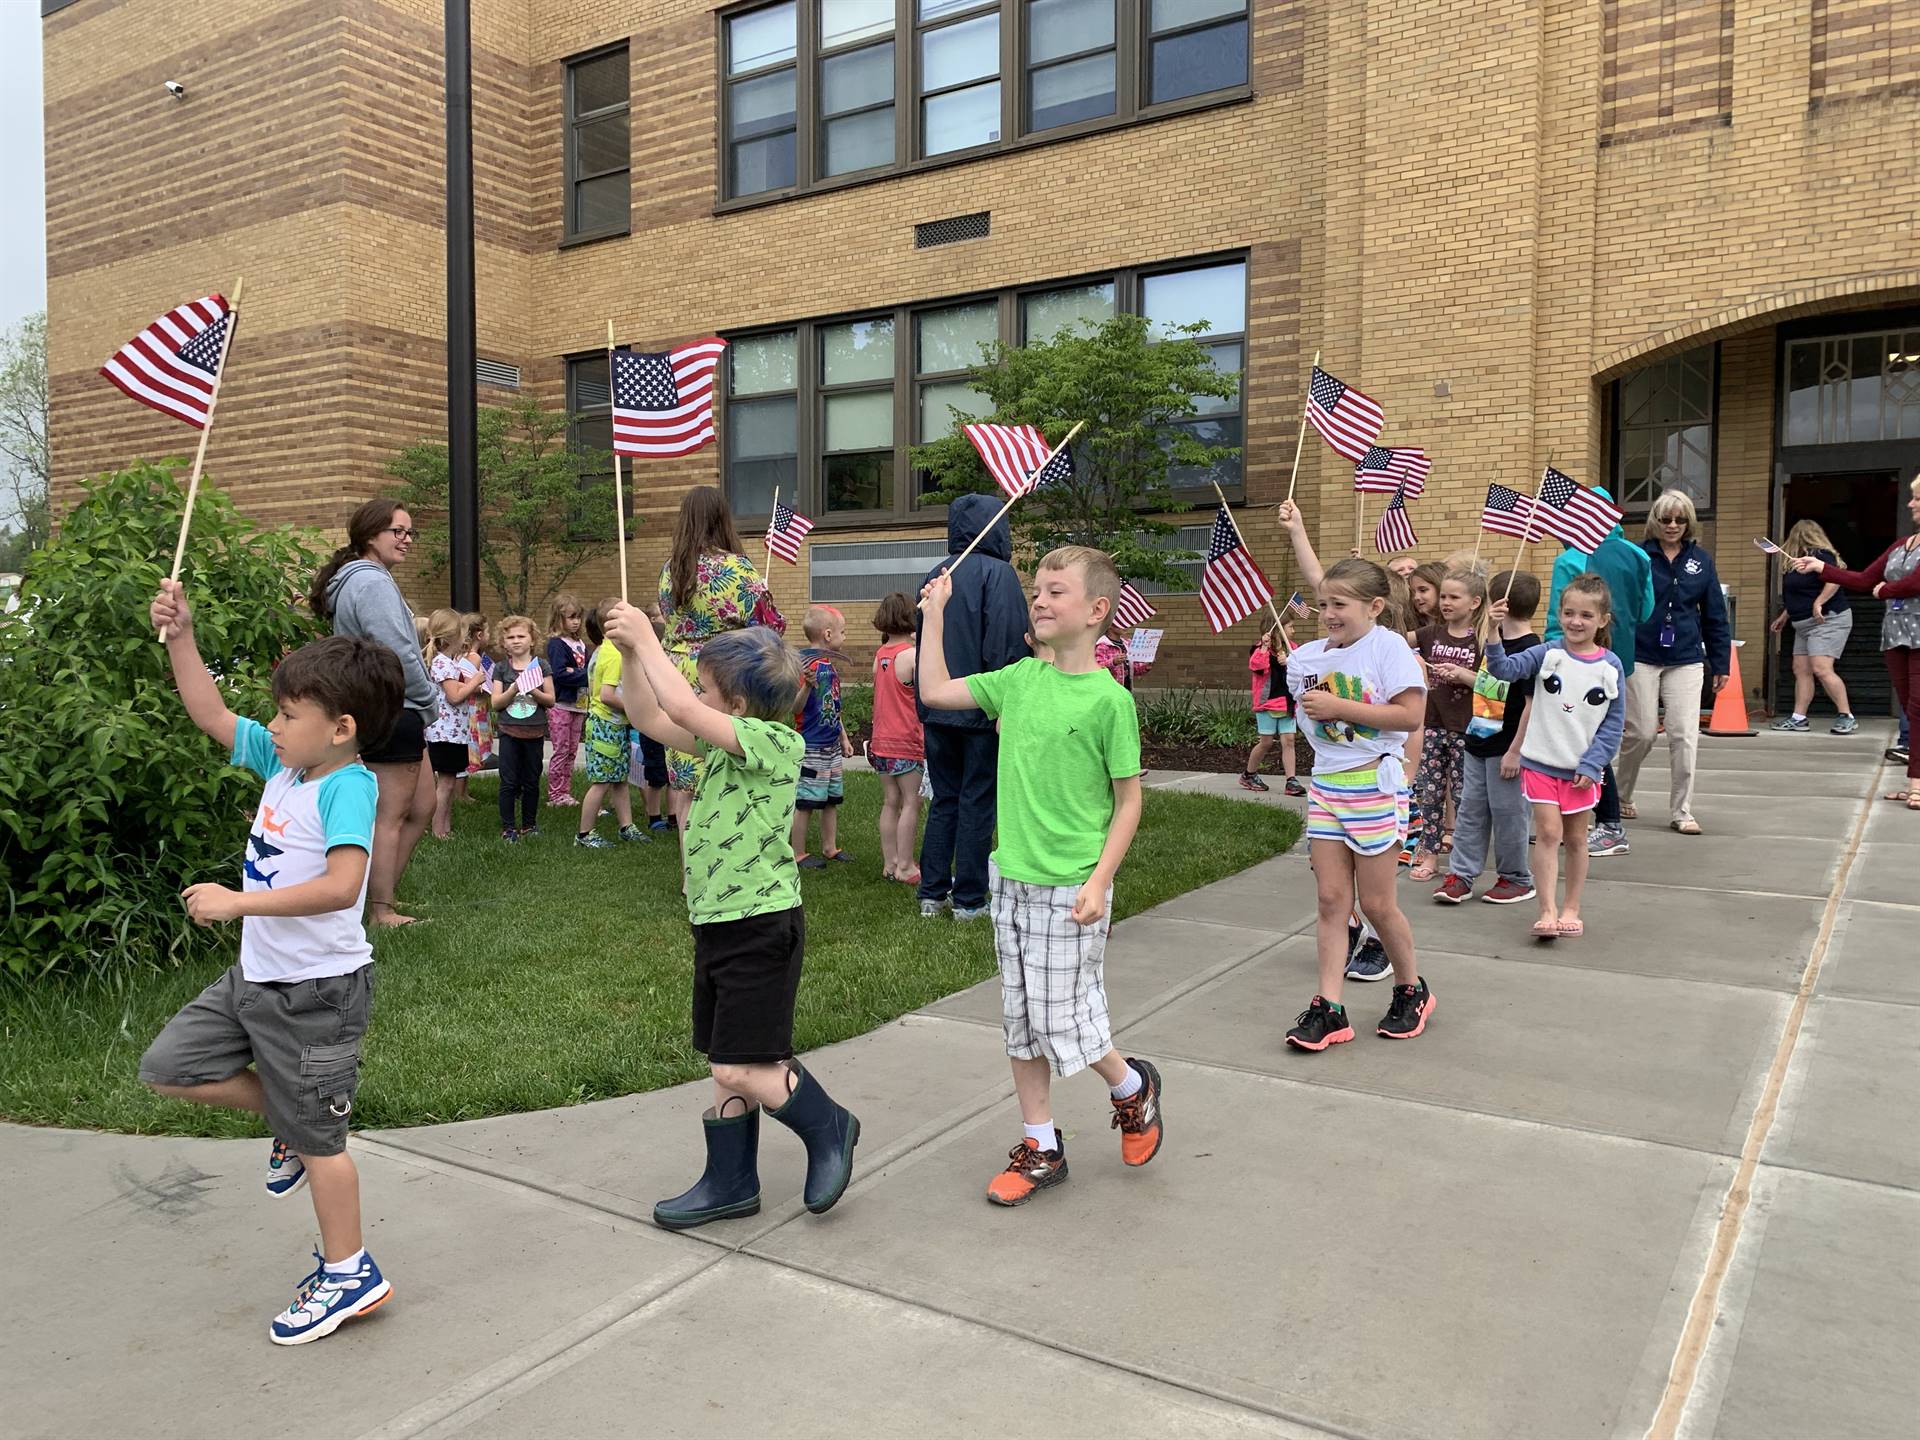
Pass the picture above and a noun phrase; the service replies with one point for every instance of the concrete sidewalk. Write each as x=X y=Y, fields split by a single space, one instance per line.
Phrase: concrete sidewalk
x=1495 y=1230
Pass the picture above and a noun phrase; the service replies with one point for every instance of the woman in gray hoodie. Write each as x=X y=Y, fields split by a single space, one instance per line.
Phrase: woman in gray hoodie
x=356 y=593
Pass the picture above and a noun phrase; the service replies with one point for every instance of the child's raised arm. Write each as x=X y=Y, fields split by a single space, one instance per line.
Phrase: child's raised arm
x=662 y=704
x=206 y=707
x=1311 y=571
x=938 y=690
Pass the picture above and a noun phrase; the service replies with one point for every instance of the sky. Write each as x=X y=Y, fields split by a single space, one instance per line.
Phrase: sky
x=23 y=239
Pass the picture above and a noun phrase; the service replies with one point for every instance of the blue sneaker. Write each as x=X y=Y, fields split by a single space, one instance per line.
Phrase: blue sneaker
x=1369 y=962
x=286 y=1171
x=659 y=822
x=327 y=1301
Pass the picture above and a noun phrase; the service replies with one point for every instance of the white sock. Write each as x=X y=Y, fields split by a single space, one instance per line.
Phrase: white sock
x=1798 y=717
x=1044 y=1135
x=1129 y=1086
x=348 y=1266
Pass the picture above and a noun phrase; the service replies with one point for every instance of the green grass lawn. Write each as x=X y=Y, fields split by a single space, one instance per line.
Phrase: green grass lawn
x=551 y=975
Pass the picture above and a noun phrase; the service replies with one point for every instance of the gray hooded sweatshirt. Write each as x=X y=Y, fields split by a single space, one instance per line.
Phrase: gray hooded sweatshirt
x=367 y=604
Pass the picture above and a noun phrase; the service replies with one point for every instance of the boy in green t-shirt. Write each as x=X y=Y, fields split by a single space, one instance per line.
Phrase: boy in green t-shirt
x=1069 y=801
x=743 y=897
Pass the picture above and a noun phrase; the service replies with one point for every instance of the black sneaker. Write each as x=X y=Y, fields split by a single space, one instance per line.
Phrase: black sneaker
x=634 y=832
x=1294 y=787
x=1251 y=781
x=1897 y=754
x=1320 y=1025
x=1406 y=1017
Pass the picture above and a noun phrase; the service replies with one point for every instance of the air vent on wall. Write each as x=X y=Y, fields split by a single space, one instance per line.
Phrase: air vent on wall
x=496 y=372
x=958 y=227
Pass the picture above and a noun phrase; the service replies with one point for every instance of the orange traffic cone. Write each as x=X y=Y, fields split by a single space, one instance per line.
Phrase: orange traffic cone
x=1729 y=716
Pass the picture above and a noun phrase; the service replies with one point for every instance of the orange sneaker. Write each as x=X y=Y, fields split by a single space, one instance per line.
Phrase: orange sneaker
x=1137 y=1117
x=1029 y=1169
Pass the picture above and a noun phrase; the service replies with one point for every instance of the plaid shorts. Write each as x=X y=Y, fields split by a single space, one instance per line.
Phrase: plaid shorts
x=1053 y=994
x=822 y=778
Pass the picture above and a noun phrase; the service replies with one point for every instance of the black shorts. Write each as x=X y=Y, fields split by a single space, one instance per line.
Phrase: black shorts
x=448 y=757
x=746 y=974
x=409 y=738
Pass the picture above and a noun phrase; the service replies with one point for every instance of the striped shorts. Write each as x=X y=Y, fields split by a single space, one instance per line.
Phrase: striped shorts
x=1350 y=807
x=1053 y=994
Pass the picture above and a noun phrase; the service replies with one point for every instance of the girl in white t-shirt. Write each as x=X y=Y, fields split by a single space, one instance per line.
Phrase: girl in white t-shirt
x=453 y=670
x=1357 y=693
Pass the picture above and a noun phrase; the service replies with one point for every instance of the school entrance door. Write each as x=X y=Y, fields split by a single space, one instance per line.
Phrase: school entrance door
x=1861 y=512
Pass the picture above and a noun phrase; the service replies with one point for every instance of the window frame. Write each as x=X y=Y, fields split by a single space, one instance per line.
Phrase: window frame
x=576 y=412
x=1636 y=510
x=803 y=429
x=1131 y=50
x=1244 y=259
x=571 y=123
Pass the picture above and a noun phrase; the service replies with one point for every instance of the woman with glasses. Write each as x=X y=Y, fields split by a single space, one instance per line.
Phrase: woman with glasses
x=355 y=591
x=1675 y=647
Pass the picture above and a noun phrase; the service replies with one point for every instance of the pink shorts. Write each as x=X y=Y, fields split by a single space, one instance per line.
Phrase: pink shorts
x=1551 y=790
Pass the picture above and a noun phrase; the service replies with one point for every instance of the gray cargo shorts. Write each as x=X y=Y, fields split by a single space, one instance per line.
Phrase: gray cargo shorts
x=302 y=1038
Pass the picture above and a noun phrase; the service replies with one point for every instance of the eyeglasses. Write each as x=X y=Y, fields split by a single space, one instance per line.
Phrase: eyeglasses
x=404 y=532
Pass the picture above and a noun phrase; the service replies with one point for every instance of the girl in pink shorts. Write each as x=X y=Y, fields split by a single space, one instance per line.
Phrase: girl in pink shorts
x=1573 y=727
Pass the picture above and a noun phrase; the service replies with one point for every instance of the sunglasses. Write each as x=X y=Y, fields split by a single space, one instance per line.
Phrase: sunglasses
x=404 y=532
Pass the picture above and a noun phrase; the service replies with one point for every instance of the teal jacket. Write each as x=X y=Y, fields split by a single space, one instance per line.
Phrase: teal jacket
x=1629 y=576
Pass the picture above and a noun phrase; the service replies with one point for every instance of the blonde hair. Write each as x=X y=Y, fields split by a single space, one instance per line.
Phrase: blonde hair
x=1474 y=582
x=1806 y=536
x=564 y=604
x=1467 y=560
x=1673 y=502
x=818 y=617
x=446 y=633
x=1097 y=571
x=520 y=622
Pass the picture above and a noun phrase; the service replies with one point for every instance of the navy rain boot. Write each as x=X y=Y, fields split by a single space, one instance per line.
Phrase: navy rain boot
x=828 y=1131
x=731 y=1184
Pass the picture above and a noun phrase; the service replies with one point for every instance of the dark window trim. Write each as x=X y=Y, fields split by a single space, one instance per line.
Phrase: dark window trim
x=570 y=122
x=1636 y=511
x=577 y=412
x=1131 y=46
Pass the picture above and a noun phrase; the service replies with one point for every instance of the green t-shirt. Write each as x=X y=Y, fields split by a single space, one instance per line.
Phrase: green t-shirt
x=739 y=850
x=603 y=669
x=1064 y=740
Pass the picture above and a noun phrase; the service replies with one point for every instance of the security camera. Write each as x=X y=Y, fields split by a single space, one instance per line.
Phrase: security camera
x=176 y=89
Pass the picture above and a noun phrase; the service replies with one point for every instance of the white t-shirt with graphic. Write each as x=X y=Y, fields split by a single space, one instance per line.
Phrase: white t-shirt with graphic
x=1373 y=669
x=298 y=822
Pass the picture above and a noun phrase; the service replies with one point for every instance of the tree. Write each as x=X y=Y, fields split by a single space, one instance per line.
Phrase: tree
x=1134 y=391
x=546 y=508
x=25 y=463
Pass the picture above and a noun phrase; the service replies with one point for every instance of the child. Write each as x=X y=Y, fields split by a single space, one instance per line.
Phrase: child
x=1423 y=585
x=1491 y=799
x=1454 y=644
x=898 y=752
x=743 y=898
x=1362 y=692
x=1268 y=663
x=480 y=742
x=518 y=691
x=608 y=758
x=458 y=674
x=650 y=756
x=1573 y=728
x=1069 y=803
x=279 y=1033
x=567 y=718
x=823 y=771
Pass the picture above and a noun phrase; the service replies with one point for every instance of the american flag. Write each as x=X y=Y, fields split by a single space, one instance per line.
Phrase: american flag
x=1295 y=605
x=1572 y=513
x=1507 y=511
x=1347 y=420
x=1133 y=610
x=1231 y=585
x=785 y=531
x=172 y=363
x=1013 y=453
x=1383 y=469
x=663 y=403
x=1395 y=530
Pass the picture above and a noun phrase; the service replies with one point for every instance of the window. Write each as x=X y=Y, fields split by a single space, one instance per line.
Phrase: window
x=1664 y=431
x=590 y=419
x=1216 y=294
x=1849 y=388
x=818 y=92
x=946 y=342
x=870 y=569
x=597 y=153
x=1045 y=313
x=856 y=396
x=762 y=415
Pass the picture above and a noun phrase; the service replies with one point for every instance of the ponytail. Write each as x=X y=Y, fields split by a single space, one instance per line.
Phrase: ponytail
x=365 y=523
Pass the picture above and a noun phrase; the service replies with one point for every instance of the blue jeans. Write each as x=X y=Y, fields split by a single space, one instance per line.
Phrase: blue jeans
x=1489 y=803
x=963 y=765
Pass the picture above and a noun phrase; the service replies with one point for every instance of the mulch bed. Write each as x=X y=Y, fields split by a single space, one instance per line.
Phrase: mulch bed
x=1212 y=758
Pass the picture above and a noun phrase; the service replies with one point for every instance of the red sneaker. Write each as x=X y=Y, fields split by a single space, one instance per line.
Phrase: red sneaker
x=1453 y=890
x=1508 y=892
x=1029 y=1169
x=1137 y=1117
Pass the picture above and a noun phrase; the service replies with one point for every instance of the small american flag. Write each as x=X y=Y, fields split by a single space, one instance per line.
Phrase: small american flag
x=1570 y=512
x=663 y=403
x=1012 y=453
x=1767 y=547
x=1395 y=530
x=1507 y=511
x=1383 y=470
x=172 y=363
x=1133 y=610
x=1231 y=585
x=785 y=532
x=1347 y=420
x=1295 y=605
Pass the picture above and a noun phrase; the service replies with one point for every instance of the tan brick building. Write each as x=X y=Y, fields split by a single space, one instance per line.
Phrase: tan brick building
x=1663 y=241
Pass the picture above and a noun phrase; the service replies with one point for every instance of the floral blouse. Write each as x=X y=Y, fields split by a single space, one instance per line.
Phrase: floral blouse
x=728 y=594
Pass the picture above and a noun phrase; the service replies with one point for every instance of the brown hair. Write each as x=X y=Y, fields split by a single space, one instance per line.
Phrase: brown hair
x=1365 y=580
x=1097 y=571
x=1433 y=572
x=894 y=615
x=564 y=604
x=1522 y=590
x=345 y=675
x=1591 y=584
x=362 y=526
x=704 y=524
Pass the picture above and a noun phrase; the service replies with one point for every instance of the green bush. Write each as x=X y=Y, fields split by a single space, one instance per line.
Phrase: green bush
x=111 y=801
x=1196 y=717
x=856 y=708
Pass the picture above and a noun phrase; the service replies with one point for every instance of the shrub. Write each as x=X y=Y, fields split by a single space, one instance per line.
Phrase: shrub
x=111 y=801
x=856 y=707
x=1194 y=717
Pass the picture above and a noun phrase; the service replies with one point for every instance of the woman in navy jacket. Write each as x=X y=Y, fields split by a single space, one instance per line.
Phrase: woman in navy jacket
x=1685 y=637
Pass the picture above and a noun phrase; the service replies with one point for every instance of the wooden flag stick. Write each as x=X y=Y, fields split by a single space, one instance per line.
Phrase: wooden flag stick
x=1479 y=534
x=1359 y=518
x=773 y=512
x=1272 y=609
x=1526 y=531
x=1079 y=425
x=619 y=493
x=200 y=453
x=1301 y=439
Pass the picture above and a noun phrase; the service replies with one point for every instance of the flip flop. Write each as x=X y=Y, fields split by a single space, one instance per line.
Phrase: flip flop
x=1905 y=797
x=1627 y=812
x=1546 y=929
x=1572 y=929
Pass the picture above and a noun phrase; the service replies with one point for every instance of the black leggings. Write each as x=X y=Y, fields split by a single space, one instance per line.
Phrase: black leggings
x=520 y=762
